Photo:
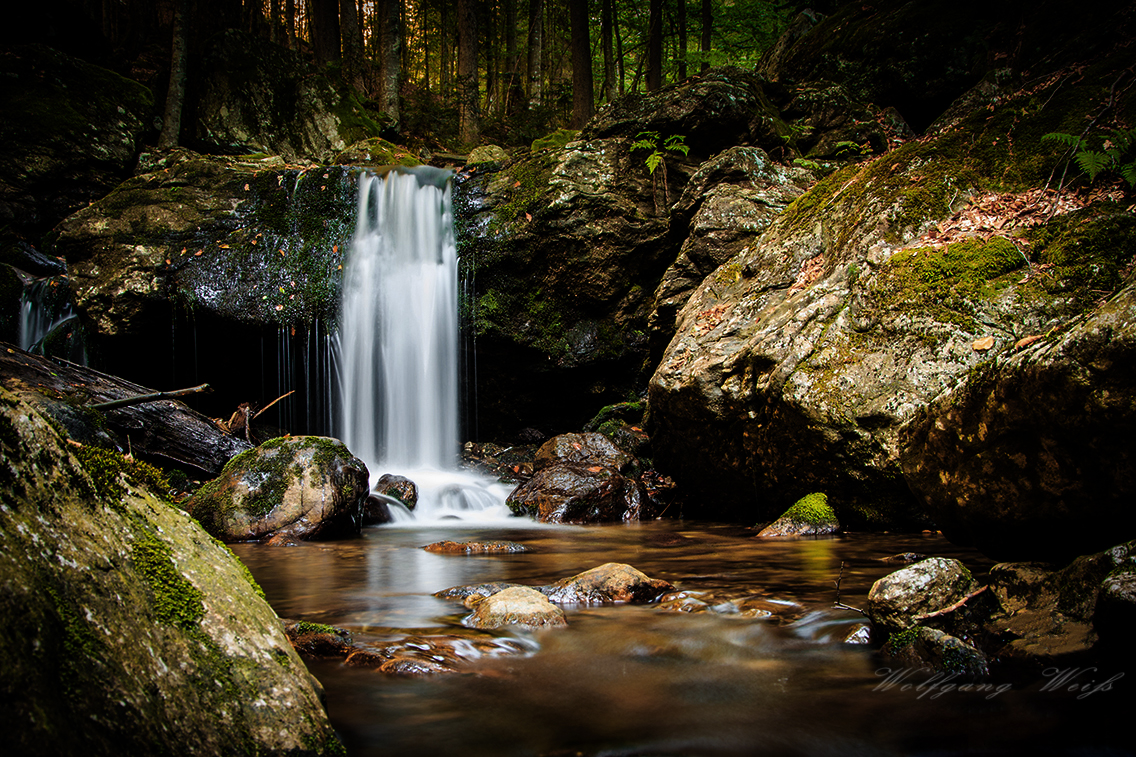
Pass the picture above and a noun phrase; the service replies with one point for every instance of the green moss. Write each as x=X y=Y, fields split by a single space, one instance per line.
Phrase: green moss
x=903 y=639
x=1088 y=251
x=305 y=627
x=526 y=189
x=555 y=140
x=176 y=601
x=813 y=509
x=108 y=468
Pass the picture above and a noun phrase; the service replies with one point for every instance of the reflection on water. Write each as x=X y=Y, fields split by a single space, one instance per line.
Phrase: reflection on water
x=630 y=680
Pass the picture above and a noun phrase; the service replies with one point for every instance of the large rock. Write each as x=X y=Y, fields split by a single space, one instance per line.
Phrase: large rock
x=302 y=487
x=809 y=516
x=1027 y=459
x=610 y=582
x=259 y=97
x=730 y=199
x=904 y=598
x=563 y=249
x=71 y=131
x=588 y=448
x=575 y=493
x=516 y=606
x=124 y=627
x=796 y=363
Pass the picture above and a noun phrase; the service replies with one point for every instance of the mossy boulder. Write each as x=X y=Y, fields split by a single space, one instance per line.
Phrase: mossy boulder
x=214 y=237
x=290 y=488
x=376 y=152
x=809 y=516
x=125 y=627
x=917 y=648
x=795 y=364
x=257 y=96
x=71 y=131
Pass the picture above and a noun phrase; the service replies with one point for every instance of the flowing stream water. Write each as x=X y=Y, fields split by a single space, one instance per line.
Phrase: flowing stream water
x=782 y=679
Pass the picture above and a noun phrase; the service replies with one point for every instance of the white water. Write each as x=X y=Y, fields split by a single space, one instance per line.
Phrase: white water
x=398 y=347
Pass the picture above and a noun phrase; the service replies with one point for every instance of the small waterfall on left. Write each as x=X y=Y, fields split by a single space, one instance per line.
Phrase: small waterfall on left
x=398 y=346
x=46 y=313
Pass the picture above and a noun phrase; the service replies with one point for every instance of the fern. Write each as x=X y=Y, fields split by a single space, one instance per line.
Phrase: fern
x=1116 y=146
x=1066 y=139
x=1092 y=162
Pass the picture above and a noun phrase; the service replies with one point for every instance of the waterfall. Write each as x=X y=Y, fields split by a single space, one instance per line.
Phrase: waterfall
x=46 y=315
x=398 y=345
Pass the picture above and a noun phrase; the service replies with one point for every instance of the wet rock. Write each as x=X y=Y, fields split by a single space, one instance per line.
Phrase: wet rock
x=317 y=639
x=810 y=516
x=572 y=493
x=399 y=487
x=375 y=153
x=117 y=599
x=220 y=233
x=860 y=634
x=1048 y=615
x=256 y=96
x=918 y=647
x=589 y=448
x=610 y=582
x=303 y=487
x=475 y=547
x=23 y=256
x=901 y=599
x=419 y=655
x=1022 y=459
x=778 y=610
x=903 y=558
x=516 y=606
x=683 y=601
x=471 y=594
x=376 y=511
x=622 y=423
x=71 y=131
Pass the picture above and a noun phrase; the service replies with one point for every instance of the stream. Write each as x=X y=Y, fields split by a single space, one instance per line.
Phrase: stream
x=634 y=680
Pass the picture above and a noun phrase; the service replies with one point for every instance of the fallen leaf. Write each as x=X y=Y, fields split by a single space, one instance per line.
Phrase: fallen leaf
x=246 y=187
x=516 y=185
x=279 y=307
x=198 y=253
x=528 y=216
x=335 y=248
x=983 y=344
x=1026 y=341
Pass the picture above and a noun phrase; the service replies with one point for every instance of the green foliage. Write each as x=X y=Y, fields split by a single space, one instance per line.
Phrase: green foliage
x=1115 y=154
x=659 y=147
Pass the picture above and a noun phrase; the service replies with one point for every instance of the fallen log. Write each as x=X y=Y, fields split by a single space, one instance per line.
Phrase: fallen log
x=139 y=399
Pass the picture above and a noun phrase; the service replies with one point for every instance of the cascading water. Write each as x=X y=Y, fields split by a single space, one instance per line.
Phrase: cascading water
x=398 y=346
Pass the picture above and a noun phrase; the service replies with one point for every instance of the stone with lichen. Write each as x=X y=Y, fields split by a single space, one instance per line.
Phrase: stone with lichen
x=809 y=516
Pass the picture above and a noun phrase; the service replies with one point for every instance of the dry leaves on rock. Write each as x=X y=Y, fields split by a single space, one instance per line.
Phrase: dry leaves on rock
x=810 y=272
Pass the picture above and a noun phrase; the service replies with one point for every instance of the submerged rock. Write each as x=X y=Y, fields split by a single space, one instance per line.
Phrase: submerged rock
x=516 y=606
x=302 y=487
x=317 y=639
x=610 y=582
x=475 y=547
x=399 y=487
x=124 y=627
x=810 y=516
x=417 y=656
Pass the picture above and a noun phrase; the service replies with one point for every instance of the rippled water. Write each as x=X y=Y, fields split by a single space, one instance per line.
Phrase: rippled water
x=631 y=680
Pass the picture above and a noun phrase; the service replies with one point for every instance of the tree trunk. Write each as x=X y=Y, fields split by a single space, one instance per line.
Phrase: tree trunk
x=707 y=24
x=324 y=21
x=608 y=90
x=290 y=23
x=655 y=46
x=681 y=39
x=175 y=97
x=618 y=45
x=583 y=96
x=390 y=30
x=536 y=24
x=444 y=71
x=468 y=94
x=512 y=59
x=352 y=45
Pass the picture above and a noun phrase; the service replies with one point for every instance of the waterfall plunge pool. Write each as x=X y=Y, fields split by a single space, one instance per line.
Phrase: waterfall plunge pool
x=633 y=680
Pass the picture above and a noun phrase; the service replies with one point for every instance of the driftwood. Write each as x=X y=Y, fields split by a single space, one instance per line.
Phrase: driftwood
x=139 y=399
x=165 y=431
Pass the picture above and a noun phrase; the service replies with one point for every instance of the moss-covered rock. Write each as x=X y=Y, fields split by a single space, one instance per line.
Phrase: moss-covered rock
x=125 y=628
x=70 y=132
x=918 y=648
x=796 y=363
x=809 y=516
x=302 y=487
x=209 y=235
x=904 y=598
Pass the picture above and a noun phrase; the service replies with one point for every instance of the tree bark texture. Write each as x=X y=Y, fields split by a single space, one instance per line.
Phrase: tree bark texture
x=536 y=36
x=681 y=39
x=352 y=37
x=468 y=93
x=655 y=46
x=609 y=87
x=175 y=96
x=391 y=66
x=583 y=95
x=324 y=20
x=707 y=25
